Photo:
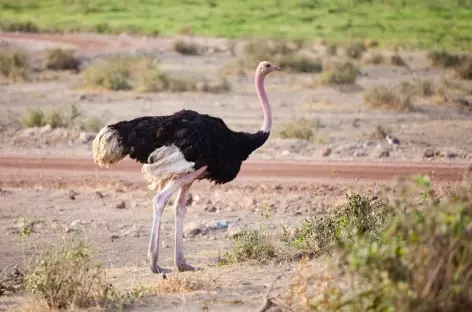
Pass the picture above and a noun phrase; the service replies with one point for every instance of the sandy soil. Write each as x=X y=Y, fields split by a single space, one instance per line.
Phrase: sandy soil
x=49 y=174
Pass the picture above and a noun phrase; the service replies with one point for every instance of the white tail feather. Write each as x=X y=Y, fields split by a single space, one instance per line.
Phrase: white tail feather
x=107 y=149
x=167 y=162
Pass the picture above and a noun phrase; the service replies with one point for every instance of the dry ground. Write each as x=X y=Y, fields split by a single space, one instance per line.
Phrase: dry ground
x=117 y=221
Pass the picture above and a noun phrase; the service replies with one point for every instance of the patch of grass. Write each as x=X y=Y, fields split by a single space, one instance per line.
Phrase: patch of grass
x=443 y=58
x=301 y=64
x=397 y=60
x=59 y=59
x=27 y=26
x=422 y=261
x=93 y=124
x=66 y=277
x=355 y=50
x=258 y=246
x=142 y=75
x=331 y=49
x=375 y=58
x=186 y=48
x=37 y=118
x=13 y=66
x=464 y=67
x=359 y=216
x=339 y=73
x=419 y=24
x=279 y=52
x=388 y=98
x=181 y=283
x=110 y=74
x=424 y=87
x=300 y=129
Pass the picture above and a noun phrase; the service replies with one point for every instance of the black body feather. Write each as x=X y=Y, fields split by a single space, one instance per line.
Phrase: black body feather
x=202 y=139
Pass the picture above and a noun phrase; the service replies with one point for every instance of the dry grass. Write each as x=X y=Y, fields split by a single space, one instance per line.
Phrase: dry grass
x=339 y=73
x=37 y=118
x=186 y=48
x=355 y=50
x=421 y=262
x=375 y=58
x=443 y=59
x=181 y=283
x=282 y=53
x=66 y=277
x=299 y=129
x=331 y=50
x=142 y=75
x=19 y=26
x=388 y=98
x=11 y=280
x=13 y=66
x=59 y=59
x=464 y=68
x=397 y=60
x=258 y=246
x=93 y=124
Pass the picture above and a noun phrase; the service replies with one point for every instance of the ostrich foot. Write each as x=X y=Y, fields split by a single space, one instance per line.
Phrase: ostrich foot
x=159 y=270
x=182 y=267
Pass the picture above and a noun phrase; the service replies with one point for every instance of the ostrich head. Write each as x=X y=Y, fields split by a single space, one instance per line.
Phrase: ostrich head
x=264 y=68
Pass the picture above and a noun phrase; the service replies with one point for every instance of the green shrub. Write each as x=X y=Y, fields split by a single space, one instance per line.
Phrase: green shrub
x=339 y=72
x=300 y=129
x=65 y=277
x=421 y=262
x=13 y=66
x=58 y=59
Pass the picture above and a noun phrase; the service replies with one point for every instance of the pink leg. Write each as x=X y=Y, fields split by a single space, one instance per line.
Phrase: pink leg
x=159 y=203
x=180 y=211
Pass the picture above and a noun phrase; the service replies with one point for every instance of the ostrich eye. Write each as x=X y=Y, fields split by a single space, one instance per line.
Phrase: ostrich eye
x=267 y=65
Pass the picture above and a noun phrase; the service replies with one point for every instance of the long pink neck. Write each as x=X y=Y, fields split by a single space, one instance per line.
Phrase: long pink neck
x=264 y=102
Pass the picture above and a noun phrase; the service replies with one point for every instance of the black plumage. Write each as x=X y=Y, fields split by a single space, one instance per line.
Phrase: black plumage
x=202 y=139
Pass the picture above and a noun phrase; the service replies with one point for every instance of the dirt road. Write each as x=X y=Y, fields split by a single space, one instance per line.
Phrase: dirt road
x=258 y=170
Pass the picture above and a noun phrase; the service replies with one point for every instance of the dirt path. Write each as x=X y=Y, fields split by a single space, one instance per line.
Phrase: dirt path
x=258 y=170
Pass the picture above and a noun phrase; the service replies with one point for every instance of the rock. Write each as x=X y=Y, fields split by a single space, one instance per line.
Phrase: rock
x=360 y=153
x=292 y=232
x=165 y=245
x=384 y=153
x=73 y=226
x=192 y=230
x=218 y=225
x=72 y=194
x=451 y=154
x=369 y=144
x=210 y=209
x=85 y=137
x=247 y=201
x=326 y=152
x=121 y=205
x=114 y=236
x=429 y=152
x=234 y=230
x=134 y=231
x=81 y=97
x=46 y=129
x=98 y=194
x=285 y=153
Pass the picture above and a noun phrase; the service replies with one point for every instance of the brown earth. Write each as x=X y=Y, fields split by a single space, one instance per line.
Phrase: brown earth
x=50 y=175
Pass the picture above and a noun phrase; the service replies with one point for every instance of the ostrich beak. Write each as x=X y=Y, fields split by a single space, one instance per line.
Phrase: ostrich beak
x=277 y=68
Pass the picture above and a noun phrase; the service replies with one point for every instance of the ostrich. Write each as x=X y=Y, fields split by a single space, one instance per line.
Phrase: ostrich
x=176 y=150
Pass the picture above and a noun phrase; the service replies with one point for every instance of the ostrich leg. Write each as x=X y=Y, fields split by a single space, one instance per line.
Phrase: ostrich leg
x=180 y=211
x=159 y=203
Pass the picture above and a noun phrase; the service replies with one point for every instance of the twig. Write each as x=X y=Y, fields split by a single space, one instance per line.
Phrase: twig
x=267 y=303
